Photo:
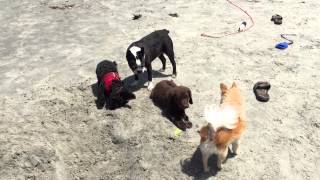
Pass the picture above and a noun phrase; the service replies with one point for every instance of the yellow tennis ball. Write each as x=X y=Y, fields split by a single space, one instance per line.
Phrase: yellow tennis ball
x=177 y=132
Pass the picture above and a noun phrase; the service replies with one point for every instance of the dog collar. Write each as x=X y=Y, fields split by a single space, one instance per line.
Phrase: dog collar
x=107 y=81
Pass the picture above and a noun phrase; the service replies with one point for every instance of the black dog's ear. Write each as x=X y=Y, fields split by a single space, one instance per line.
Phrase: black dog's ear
x=190 y=96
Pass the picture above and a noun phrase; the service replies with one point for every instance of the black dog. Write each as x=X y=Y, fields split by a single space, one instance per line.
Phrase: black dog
x=141 y=53
x=173 y=100
x=110 y=87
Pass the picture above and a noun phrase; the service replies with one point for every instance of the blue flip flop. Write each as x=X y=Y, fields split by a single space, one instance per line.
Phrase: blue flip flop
x=282 y=45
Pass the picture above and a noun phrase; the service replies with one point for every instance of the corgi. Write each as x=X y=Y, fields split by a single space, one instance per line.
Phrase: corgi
x=225 y=126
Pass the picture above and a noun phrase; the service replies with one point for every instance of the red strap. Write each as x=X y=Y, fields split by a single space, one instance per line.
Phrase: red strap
x=220 y=35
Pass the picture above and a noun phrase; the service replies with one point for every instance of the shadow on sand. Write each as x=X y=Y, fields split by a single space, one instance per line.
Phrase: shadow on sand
x=130 y=79
x=143 y=78
x=193 y=166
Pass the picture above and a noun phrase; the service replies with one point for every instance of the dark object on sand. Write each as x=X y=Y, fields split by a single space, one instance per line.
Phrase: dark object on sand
x=62 y=7
x=277 y=19
x=174 y=15
x=136 y=16
x=261 y=89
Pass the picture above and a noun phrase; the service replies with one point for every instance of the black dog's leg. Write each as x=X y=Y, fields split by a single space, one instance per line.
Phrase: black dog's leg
x=149 y=71
x=170 y=54
x=163 y=60
x=168 y=50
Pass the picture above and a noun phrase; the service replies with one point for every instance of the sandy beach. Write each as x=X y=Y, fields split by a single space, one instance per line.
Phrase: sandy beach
x=50 y=127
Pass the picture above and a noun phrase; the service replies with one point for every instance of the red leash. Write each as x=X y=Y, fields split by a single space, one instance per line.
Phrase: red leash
x=228 y=34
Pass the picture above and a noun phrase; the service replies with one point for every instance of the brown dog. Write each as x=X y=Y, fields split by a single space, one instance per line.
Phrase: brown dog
x=173 y=100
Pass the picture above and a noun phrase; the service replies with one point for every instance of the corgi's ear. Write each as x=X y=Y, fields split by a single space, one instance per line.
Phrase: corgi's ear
x=234 y=84
x=223 y=88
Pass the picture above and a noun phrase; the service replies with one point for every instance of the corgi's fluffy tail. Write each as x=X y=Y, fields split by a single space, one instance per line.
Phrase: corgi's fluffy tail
x=225 y=116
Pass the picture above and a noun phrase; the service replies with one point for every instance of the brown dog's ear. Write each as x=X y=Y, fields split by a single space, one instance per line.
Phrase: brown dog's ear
x=223 y=88
x=190 y=96
x=234 y=84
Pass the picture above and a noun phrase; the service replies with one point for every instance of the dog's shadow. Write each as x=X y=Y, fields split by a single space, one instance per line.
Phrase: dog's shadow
x=165 y=113
x=143 y=78
x=193 y=166
x=94 y=89
x=130 y=79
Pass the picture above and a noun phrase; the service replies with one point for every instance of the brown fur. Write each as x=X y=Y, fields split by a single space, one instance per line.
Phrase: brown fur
x=223 y=137
x=174 y=100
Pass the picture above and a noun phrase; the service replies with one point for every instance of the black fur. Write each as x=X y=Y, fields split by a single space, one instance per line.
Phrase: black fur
x=152 y=46
x=119 y=95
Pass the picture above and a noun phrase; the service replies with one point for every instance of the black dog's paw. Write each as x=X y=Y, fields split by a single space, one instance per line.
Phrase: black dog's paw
x=100 y=104
x=127 y=106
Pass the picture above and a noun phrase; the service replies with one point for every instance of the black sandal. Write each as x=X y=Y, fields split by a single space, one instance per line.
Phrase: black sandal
x=260 y=90
x=277 y=19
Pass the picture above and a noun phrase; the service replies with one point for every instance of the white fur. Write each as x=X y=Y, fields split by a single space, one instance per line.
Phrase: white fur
x=134 y=50
x=242 y=27
x=138 y=62
x=225 y=116
x=150 y=85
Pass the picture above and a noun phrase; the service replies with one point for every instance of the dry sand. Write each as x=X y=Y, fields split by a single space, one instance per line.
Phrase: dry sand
x=50 y=127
